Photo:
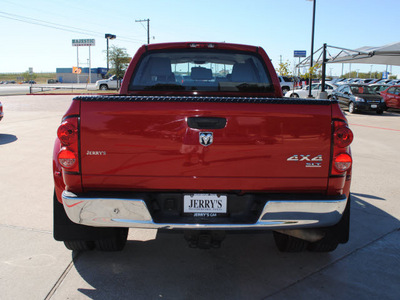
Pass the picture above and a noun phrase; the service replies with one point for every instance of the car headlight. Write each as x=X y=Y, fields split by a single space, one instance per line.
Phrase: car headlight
x=358 y=99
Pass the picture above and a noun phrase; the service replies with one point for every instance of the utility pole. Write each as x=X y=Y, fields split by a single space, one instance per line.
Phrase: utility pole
x=148 y=28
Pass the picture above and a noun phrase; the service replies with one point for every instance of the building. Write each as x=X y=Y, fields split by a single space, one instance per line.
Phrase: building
x=65 y=75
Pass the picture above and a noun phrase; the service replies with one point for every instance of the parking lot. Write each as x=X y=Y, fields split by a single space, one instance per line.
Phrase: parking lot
x=34 y=266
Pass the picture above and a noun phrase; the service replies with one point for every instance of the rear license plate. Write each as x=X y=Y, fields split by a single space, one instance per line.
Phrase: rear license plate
x=205 y=203
x=374 y=106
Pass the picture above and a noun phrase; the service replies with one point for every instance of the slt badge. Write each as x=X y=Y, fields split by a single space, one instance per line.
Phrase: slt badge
x=314 y=162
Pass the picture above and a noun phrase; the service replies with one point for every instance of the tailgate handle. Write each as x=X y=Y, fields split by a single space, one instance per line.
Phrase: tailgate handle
x=206 y=122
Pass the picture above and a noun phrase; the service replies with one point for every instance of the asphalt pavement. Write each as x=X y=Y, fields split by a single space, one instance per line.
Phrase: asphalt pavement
x=247 y=266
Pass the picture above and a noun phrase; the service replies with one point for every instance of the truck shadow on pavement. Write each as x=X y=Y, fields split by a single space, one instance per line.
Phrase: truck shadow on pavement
x=247 y=266
x=7 y=138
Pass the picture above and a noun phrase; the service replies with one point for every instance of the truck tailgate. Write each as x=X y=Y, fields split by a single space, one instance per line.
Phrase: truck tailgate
x=128 y=143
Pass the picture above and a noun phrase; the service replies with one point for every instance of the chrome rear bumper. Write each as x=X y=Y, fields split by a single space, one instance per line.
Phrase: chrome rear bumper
x=276 y=214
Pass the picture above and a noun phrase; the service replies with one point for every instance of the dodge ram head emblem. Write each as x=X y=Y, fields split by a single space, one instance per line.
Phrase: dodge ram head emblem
x=206 y=138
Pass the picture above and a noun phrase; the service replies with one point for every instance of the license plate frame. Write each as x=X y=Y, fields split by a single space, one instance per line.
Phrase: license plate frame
x=205 y=204
x=374 y=106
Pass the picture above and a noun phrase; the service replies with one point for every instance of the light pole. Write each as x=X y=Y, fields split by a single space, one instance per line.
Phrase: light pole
x=109 y=36
x=312 y=49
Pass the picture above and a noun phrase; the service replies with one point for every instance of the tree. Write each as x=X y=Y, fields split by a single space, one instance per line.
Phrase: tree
x=313 y=70
x=29 y=76
x=283 y=69
x=119 y=60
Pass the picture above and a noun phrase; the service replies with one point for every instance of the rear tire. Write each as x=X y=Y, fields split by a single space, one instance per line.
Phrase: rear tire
x=79 y=245
x=104 y=87
x=322 y=246
x=334 y=235
x=79 y=237
x=287 y=243
x=114 y=243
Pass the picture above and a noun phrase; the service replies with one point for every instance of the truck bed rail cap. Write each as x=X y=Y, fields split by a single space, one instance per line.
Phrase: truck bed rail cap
x=255 y=100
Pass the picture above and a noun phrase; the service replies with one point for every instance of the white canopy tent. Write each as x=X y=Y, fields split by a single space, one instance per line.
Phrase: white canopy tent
x=384 y=55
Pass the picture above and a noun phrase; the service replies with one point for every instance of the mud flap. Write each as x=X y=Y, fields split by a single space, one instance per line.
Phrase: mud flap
x=66 y=230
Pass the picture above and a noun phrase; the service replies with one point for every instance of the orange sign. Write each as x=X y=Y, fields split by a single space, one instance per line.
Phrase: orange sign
x=76 y=70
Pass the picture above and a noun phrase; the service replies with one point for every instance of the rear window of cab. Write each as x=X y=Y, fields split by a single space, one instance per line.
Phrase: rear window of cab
x=210 y=70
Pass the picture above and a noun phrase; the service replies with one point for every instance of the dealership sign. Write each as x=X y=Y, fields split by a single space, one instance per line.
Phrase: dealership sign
x=300 y=53
x=84 y=42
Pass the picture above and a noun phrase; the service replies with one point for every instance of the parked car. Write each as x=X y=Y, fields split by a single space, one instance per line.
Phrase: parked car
x=286 y=84
x=367 y=81
x=391 y=97
x=383 y=81
x=315 y=90
x=378 y=88
x=394 y=82
x=1 y=111
x=337 y=80
x=50 y=81
x=344 y=81
x=111 y=83
x=373 y=81
x=359 y=97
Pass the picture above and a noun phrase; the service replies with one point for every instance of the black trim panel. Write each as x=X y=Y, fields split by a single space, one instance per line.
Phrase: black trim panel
x=255 y=100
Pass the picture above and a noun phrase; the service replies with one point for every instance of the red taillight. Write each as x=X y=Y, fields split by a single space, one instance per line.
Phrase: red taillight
x=67 y=158
x=342 y=162
x=341 y=157
x=67 y=133
x=343 y=136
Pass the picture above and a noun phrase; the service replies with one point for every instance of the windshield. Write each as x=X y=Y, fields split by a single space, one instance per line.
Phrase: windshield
x=362 y=89
x=201 y=70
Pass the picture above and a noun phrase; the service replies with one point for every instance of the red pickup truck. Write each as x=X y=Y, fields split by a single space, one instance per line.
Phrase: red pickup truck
x=201 y=141
x=1 y=111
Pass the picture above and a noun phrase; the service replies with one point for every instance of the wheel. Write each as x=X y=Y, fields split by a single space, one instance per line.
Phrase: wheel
x=82 y=238
x=295 y=96
x=79 y=245
x=104 y=87
x=379 y=111
x=287 y=243
x=351 y=108
x=323 y=246
x=334 y=235
x=114 y=243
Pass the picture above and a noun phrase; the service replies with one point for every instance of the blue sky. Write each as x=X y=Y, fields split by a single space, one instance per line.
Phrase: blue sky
x=280 y=27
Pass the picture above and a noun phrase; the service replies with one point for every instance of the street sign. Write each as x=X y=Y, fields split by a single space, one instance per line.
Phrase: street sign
x=385 y=75
x=300 y=53
x=84 y=42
